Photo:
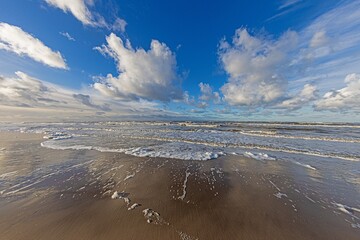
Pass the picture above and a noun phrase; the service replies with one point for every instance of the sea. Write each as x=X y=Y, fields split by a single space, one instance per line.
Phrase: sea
x=311 y=145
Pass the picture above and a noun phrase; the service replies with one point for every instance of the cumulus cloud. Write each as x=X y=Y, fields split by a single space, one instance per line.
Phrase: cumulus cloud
x=202 y=104
x=14 y=39
x=188 y=99
x=306 y=95
x=143 y=74
x=80 y=10
x=203 y=101
x=207 y=93
x=68 y=36
x=31 y=98
x=344 y=99
x=255 y=66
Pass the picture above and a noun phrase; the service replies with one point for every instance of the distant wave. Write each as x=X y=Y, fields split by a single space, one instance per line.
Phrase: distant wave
x=274 y=135
x=254 y=146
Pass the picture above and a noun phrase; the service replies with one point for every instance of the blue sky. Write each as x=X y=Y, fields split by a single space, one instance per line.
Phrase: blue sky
x=285 y=60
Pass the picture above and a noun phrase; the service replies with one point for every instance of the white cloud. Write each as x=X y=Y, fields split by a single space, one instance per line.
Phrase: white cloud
x=207 y=93
x=119 y=25
x=79 y=9
x=337 y=28
x=286 y=7
x=255 y=67
x=347 y=98
x=319 y=39
x=288 y=3
x=86 y=100
x=329 y=48
x=260 y=73
x=150 y=74
x=14 y=39
x=197 y=111
x=31 y=98
x=190 y=100
x=67 y=35
x=202 y=104
x=21 y=91
x=207 y=96
x=306 y=95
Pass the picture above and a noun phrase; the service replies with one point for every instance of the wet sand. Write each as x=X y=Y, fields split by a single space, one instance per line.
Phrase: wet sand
x=66 y=194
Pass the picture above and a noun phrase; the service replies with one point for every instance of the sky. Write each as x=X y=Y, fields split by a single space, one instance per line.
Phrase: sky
x=258 y=60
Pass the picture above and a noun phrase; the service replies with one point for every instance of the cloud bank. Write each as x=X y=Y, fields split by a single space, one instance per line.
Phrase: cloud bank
x=27 y=96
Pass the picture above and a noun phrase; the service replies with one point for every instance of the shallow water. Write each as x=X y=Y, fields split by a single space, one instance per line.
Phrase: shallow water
x=330 y=148
x=309 y=145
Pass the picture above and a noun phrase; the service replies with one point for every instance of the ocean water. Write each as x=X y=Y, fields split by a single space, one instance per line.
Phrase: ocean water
x=310 y=145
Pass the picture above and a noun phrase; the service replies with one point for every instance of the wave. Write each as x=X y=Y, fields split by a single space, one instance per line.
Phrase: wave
x=274 y=135
x=254 y=146
x=259 y=156
x=174 y=151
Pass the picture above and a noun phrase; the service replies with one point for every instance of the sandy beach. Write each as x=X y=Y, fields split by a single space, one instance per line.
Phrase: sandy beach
x=69 y=194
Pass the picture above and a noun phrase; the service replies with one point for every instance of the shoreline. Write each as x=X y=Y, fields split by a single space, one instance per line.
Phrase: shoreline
x=231 y=197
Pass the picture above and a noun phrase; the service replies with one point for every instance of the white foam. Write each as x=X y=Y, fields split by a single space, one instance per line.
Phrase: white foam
x=152 y=216
x=176 y=150
x=184 y=236
x=277 y=188
x=8 y=174
x=122 y=195
x=57 y=136
x=280 y=195
x=348 y=210
x=259 y=156
x=187 y=174
x=126 y=200
x=129 y=176
x=275 y=135
x=310 y=199
x=135 y=205
x=115 y=195
x=304 y=165
x=353 y=212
